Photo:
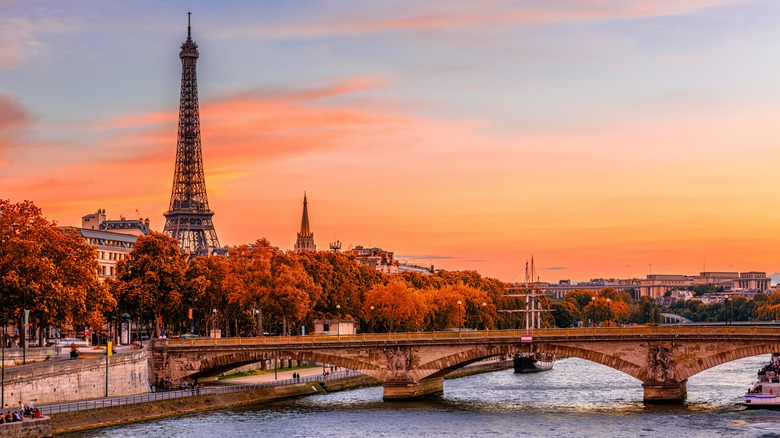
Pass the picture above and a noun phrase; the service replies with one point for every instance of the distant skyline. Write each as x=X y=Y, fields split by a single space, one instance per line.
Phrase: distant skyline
x=599 y=136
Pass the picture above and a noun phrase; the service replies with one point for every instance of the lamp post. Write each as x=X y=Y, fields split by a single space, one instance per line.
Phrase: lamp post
x=371 y=315
x=23 y=333
x=593 y=301
x=2 y=398
x=338 y=321
x=255 y=312
x=729 y=310
x=214 y=323
x=459 y=317
x=109 y=349
x=609 y=311
x=484 y=307
x=141 y=318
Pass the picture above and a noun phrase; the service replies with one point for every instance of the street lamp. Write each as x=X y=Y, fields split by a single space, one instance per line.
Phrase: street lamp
x=2 y=398
x=255 y=312
x=338 y=320
x=609 y=311
x=484 y=307
x=729 y=310
x=371 y=315
x=593 y=301
x=459 y=317
x=214 y=322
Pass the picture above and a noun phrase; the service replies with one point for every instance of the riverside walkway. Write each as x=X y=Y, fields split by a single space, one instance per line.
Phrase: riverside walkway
x=264 y=381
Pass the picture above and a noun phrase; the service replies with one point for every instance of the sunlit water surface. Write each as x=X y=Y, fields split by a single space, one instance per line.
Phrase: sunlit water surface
x=576 y=399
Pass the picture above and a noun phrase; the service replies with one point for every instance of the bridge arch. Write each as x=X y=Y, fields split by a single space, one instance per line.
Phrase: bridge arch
x=739 y=352
x=212 y=365
x=673 y=318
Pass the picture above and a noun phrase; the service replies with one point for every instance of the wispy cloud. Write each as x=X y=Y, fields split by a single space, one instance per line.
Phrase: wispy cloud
x=449 y=16
x=426 y=257
x=14 y=121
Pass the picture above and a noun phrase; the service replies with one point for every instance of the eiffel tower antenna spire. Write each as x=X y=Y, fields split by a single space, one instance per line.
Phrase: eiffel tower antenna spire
x=188 y=218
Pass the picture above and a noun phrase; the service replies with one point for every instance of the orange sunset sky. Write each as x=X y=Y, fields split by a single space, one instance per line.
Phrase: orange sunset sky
x=606 y=138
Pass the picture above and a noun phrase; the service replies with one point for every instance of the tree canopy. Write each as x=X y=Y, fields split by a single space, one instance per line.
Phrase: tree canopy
x=47 y=270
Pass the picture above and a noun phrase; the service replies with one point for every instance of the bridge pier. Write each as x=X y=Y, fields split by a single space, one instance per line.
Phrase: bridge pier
x=665 y=392
x=407 y=391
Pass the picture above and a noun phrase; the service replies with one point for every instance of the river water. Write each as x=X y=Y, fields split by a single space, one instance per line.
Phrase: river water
x=576 y=399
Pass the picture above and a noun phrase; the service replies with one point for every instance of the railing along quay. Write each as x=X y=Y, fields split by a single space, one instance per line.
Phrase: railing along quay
x=478 y=334
x=181 y=393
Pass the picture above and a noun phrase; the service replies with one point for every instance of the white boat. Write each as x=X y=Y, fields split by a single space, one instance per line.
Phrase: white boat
x=766 y=391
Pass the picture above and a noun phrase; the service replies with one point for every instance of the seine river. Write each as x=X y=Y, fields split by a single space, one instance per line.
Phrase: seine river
x=576 y=399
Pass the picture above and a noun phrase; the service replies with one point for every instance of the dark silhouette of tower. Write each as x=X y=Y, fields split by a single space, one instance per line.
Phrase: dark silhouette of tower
x=305 y=241
x=188 y=219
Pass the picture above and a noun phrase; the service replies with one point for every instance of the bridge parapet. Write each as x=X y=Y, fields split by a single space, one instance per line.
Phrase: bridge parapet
x=601 y=332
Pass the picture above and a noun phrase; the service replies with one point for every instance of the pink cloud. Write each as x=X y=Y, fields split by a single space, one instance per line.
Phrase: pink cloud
x=14 y=120
x=438 y=16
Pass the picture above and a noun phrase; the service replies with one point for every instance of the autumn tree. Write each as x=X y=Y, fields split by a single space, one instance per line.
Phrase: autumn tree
x=206 y=288
x=249 y=280
x=47 y=270
x=607 y=311
x=151 y=278
x=292 y=290
x=580 y=298
x=344 y=282
x=396 y=305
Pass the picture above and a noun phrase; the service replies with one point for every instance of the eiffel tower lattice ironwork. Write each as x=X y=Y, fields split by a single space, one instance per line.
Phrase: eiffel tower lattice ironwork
x=188 y=218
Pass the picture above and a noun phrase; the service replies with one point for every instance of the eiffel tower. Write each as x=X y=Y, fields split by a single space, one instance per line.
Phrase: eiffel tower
x=188 y=219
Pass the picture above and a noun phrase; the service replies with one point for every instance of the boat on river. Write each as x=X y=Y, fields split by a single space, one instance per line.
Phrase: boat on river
x=533 y=362
x=766 y=391
x=531 y=303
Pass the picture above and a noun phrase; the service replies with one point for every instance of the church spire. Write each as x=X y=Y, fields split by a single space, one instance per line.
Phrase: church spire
x=305 y=231
x=305 y=241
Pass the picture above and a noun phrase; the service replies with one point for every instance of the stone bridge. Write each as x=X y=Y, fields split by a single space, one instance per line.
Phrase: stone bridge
x=413 y=365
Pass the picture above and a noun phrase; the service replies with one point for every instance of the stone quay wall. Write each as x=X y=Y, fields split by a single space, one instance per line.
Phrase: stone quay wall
x=15 y=356
x=65 y=380
x=37 y=428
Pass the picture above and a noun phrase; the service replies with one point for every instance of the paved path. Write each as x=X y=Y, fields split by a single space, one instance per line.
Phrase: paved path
x=284 y=374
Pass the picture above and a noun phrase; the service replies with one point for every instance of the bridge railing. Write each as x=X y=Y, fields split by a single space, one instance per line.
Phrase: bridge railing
x=478 y=334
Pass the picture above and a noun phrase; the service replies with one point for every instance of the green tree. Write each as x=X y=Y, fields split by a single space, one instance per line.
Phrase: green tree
x=565 y=313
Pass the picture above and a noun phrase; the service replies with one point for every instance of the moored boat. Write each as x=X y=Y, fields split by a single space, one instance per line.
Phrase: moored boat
x=766 y=391
x=533 y=362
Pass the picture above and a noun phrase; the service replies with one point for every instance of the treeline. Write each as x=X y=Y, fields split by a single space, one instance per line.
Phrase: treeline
x=606 y=307
x=761 y=307
x=259 y=289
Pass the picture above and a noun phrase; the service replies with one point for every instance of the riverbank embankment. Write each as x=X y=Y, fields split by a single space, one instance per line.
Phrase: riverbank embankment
x=104 y=417
x=96 y=418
